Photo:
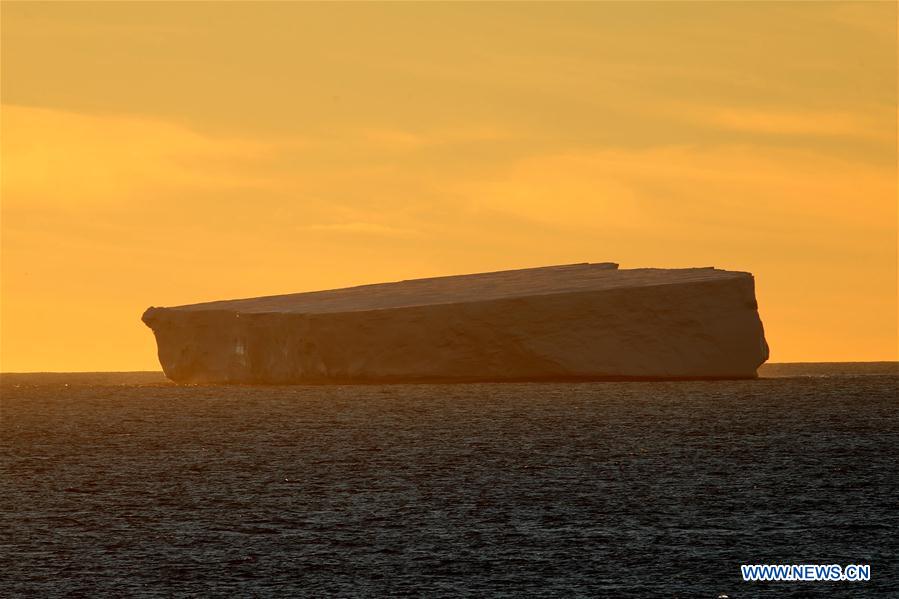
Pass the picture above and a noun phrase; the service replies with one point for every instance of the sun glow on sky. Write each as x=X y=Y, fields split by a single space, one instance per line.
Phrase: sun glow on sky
x=169 y=153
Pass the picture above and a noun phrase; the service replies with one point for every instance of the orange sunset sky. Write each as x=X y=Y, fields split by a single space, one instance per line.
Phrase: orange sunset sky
x=170 y=153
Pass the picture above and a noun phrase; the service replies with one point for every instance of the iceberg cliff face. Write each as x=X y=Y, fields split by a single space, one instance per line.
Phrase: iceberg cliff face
x=575 y=322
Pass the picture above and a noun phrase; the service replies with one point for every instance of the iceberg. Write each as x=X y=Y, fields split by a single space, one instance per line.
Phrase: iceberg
x=556 y=323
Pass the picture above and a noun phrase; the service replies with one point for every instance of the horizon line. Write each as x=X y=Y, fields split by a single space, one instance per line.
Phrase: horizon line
x=163 y=374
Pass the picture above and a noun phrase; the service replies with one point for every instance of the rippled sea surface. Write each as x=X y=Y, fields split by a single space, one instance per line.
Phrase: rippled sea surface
x=123 y=484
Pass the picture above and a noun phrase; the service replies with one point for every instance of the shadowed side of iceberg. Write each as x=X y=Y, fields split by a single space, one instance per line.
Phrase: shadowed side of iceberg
x=691 y=326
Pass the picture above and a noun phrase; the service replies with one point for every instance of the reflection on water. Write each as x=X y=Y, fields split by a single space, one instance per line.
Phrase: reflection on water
x=125 y=484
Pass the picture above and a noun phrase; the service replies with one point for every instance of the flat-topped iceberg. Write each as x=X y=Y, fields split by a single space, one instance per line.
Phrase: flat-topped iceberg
x=573 y=322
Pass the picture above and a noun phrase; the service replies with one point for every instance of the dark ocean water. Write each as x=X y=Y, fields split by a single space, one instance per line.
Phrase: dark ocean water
x=124 y=485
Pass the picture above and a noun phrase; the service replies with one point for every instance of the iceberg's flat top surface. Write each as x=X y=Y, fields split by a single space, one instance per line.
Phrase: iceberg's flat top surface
x=468 y=288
